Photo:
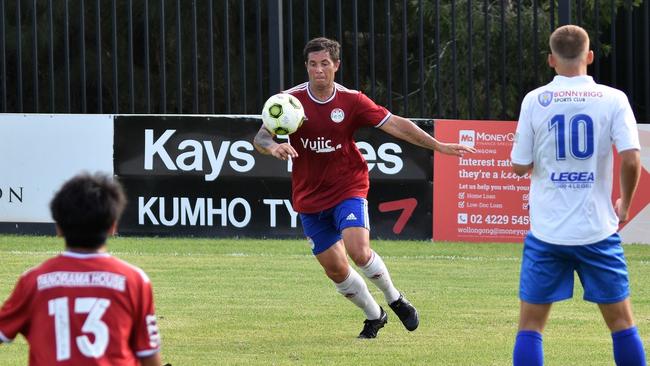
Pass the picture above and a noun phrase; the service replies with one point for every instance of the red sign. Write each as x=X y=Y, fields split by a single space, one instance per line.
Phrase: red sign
x=477 y=197
x=637 y=228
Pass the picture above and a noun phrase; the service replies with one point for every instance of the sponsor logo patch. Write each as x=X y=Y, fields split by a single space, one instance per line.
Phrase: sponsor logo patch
x=467 y=137
x=337 y=115
x=545 y=98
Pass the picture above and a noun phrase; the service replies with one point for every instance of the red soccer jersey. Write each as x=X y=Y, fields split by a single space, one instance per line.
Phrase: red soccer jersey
x=83 y=309
x=329 y=167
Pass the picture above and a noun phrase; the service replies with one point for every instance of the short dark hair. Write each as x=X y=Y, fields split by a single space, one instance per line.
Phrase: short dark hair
x=322 y=44
x=85 y=208
x=569 y=42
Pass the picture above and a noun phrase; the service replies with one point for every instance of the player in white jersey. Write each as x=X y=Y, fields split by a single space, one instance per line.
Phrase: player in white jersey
x=564 y=141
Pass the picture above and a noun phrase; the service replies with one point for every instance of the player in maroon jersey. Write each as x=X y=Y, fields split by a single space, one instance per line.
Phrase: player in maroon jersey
x=84 y=307
x=330 y=181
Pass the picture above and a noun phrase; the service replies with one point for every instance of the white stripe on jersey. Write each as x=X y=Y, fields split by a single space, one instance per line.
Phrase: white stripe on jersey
x=384 y=120
x=341 y=88
x=144 y=276
x=147 y=353
x=84 y=255
x=296 y=88
x=305 y=86
x=4 y=338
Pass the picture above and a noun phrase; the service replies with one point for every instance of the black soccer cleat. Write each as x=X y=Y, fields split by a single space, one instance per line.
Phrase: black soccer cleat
x=406 y=312
x=371 y=327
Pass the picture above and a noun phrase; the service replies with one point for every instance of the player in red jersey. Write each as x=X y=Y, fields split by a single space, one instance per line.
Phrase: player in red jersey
x=330 y=181
x=84 y=307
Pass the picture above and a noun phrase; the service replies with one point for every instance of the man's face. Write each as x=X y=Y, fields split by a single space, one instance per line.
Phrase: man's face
x=321 y=69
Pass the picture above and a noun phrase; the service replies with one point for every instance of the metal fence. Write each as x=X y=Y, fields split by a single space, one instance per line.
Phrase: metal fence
x=470 y=59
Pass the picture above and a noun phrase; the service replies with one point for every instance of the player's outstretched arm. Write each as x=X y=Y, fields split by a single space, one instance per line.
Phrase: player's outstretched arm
x=265 y=144
x=406 y=130
x=630 y=174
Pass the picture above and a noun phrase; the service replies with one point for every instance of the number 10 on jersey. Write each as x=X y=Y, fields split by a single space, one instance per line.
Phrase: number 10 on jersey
x=581 y=136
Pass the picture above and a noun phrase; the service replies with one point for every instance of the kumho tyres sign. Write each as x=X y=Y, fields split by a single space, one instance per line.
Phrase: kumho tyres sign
x=201 y=176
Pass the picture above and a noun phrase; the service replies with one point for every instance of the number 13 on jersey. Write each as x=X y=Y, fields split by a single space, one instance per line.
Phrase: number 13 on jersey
x=95 y=308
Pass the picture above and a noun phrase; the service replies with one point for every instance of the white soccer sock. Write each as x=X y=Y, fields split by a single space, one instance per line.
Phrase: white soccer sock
x=354 y=288
x=377 y=273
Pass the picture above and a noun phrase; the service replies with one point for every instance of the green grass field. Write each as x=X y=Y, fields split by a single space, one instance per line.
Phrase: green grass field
x=267 y=302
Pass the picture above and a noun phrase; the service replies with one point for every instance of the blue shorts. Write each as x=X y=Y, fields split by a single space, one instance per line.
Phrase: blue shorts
x=323 y=229
x=547 y=271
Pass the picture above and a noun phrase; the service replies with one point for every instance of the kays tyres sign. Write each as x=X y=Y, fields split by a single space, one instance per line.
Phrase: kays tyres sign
x=201 y=176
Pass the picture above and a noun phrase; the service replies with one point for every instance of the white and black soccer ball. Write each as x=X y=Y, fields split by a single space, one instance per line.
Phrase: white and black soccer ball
x=283 y=114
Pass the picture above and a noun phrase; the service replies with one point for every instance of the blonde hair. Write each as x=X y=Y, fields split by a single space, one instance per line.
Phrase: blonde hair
x=569 y=42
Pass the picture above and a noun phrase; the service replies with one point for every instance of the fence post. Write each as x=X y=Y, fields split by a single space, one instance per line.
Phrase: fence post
x=276 y=47
x=564 y=12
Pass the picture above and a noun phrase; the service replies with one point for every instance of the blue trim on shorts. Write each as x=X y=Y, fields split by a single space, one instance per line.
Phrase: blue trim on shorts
x=323 y=229
x=547 y=271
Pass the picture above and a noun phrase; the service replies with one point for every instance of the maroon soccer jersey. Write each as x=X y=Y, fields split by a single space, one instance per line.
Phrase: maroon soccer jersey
x=329 y=167
x=83 y=309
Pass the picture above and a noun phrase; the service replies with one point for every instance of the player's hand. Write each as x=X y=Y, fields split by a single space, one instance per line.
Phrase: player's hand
x=621 y=212
x=455 y=149
x=284 y=151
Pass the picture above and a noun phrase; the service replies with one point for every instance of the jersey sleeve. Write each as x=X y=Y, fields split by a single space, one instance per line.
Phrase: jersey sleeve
x=146 y=337
x=625 y=135
x=368 y=113
x=14 y=314
x=522 y=149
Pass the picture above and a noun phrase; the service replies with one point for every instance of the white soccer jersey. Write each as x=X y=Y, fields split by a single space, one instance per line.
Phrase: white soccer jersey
x=566 y=129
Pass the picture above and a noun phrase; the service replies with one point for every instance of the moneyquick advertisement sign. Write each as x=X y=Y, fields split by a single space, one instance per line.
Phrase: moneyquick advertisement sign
x=201 y=176
x=478 y=198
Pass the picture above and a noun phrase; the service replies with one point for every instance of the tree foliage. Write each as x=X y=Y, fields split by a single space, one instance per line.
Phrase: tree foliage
x=473 y=59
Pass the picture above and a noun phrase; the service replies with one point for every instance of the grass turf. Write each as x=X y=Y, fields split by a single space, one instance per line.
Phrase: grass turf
x=267 y=302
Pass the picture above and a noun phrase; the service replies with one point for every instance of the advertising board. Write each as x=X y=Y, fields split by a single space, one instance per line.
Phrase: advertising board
x=201 y=176
x=637 y=228
x=477 y=197
x=38 y=152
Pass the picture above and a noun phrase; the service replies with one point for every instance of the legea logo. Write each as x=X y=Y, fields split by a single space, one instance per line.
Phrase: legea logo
x=467 y=137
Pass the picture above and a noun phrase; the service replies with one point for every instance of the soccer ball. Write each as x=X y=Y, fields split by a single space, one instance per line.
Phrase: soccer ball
x=283 y=114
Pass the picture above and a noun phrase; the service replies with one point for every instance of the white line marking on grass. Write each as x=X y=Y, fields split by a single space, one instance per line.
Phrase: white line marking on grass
x=240 y=254
x=463 y=258
x=36 y=253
